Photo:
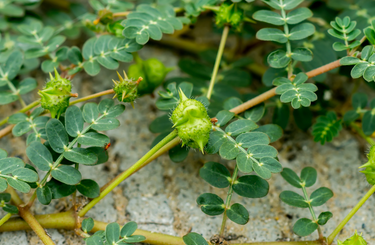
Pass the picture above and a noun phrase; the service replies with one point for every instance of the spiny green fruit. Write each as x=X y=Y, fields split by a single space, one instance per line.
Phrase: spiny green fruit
x=55 y=95
x=126 y=89
x=152 y=71
x=228 y=14
x=192 y=122
x=354 y=240
x=370 y=166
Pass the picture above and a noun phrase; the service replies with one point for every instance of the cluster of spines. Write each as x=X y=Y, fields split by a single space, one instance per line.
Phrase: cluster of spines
x=126 y=90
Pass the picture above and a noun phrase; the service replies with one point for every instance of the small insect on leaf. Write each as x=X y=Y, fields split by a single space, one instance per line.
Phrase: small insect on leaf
x=106 y=146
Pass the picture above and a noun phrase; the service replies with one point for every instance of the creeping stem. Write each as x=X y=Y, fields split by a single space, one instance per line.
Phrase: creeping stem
x=5 y=218
x=128 y=172
x=350 y=215
x=218 y=60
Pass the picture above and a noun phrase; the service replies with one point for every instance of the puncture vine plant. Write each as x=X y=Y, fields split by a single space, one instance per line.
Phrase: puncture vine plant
x=227 y=101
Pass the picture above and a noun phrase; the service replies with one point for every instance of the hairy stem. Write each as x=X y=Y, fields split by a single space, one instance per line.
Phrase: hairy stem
x=128 y=172
x=227 y=202
x=270 y=93
x=218 y=60
x=66 y=220
x=5 y=218
x=160 y=152
x=29 y=218
x=93 y=96
x=350 y=215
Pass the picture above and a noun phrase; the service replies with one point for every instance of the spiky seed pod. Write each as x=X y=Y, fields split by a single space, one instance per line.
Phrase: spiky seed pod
x=370 y=166
x=126 y=89
x=228 y=14
x=192 y=122
x=356 y=239
x=55 y=95
x=152 y=71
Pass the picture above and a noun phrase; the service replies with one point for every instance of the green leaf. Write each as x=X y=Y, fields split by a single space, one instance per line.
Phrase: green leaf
x=228 y=150
x=326 y=127
x=128 y=229
x=90 y=112
x=324 y=217
x=368 y=122
x=272 y=34
x=349 y=60
x=19 y=185
x=194 y=239
x=178 y=153
x=215 y=174
x=116 y=110
x=105 y=105
x=302 y=54
x=11 y=67
x=298 y=15
x=291 y=177
x=59 y=189
x=238 y=214
x=7 y=97
x=57 y=136
x=73 y=121
x=8 y=165
x=88 y=188
x=75 y=56
x=223 y=117
x=259 y=151
x=16 y=118
x=3 y=154
x=94 y=240
x=10 y=209
x=252 y=138
x=320 y=196
x=266 y=166
x=27 y=85
x=87 y=225
x=359 y=69
x=304 y=227
x=273 y=131
x=6 y=197
x=269 y=17
x=256 y=113
x=308 y=176
x=81 y=155
x=39 y=155
x=93 y=139
x=25 y=174
x=3 y=185
x=251 y=186
x=112 y=233
x=105 y=124
x=215 y=142
x=293 y=199
x=291 y=4
x=370 y=35
x=101 y=153
x=91 y=67
x=278 y=59
x=244 y=163
x=21 y=128
x=67 y=175
x=44 y=195
x=211 y=204
x=240 y=126
x=302 y=31
x=134 y=239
